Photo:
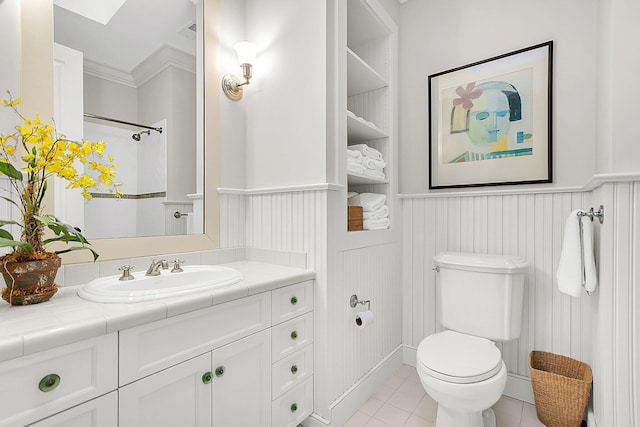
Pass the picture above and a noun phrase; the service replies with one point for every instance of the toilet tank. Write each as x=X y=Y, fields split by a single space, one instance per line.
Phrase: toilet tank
x=481 y=295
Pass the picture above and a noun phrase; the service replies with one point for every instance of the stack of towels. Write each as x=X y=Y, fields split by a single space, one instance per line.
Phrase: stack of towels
x=365 y=160
x=375 y=212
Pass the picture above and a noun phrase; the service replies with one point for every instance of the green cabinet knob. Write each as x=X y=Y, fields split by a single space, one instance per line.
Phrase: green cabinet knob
x=219 y=371
x=294 y=369
x=294 y=335
x=294 y=407
x=294 y=300
x=49 y=382
x=206 y=378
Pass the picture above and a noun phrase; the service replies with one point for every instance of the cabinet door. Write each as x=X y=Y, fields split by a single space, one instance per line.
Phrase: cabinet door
x=100 y=412
x=177 y=396
x=242 y=382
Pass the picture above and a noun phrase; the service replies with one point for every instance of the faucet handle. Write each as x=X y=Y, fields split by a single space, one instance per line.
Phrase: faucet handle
x=126 y=272
x=176 y=266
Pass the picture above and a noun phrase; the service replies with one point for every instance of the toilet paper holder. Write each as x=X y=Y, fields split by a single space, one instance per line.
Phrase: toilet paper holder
x=354 y=301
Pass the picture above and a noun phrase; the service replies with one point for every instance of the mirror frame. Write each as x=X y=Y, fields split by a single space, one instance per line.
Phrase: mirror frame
x=36 y=55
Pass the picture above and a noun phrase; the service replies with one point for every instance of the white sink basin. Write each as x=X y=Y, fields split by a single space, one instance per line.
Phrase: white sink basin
x=194 y=278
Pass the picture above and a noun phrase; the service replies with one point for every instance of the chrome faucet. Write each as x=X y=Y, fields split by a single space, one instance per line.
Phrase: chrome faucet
x=154 y=268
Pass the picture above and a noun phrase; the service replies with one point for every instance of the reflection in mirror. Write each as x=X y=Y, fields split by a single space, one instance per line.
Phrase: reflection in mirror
x=138 y=73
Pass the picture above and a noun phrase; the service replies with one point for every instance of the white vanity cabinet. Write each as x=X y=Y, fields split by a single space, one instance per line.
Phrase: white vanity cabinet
x=292 y=354
x=177 y=396
x=99 y=412
x=242 y=382
x=246 y=362
x=42 y=384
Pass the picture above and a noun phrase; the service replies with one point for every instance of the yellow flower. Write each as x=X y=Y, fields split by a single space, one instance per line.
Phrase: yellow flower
x=11 y=103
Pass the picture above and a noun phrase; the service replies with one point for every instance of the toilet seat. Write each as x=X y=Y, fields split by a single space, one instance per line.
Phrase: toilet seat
x=459 y=358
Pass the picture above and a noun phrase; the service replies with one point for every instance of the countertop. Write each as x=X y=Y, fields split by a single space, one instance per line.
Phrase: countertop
x=67 y=318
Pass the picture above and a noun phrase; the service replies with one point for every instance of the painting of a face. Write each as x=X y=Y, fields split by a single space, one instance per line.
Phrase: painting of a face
x=489 y=118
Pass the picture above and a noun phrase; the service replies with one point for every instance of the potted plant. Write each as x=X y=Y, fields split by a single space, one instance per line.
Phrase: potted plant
x=40 y=152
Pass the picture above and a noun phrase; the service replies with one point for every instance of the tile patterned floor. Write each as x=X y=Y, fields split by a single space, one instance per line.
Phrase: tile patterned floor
x=402 y=402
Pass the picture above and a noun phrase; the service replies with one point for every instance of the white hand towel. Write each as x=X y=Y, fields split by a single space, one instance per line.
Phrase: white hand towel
x=374 y=173
x=370 y=163
x=354 y=154
x=570 y=273
x=372 y=201
x=355 y=166
x=367 y=151
x=380 y=213
x=375 y=224
x=590 y=273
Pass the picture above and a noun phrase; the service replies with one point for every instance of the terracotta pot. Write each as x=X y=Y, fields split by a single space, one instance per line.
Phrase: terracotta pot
x=30 y=282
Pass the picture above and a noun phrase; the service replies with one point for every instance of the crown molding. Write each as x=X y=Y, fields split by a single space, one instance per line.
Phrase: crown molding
x=158 y=61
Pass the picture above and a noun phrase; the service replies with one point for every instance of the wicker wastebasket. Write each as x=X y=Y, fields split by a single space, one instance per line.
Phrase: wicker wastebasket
x=561 y=388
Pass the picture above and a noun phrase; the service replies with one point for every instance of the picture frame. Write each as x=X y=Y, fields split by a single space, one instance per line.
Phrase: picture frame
x=490 y=121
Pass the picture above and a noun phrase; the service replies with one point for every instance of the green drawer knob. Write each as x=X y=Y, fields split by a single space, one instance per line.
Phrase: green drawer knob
x=294 y=369
x=294 y=407
x=294 y=300
x=49 y=382
x=219 y=371
x=294 y=335
x=206 y=378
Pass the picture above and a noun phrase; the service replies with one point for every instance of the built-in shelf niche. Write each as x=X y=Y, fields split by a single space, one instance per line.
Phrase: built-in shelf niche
x=369 y=104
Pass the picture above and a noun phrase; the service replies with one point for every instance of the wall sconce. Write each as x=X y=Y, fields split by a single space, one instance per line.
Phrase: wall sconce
x=231 y=85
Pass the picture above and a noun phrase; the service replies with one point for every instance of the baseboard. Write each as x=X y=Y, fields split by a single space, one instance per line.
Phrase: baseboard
x=347 y=405
x=518 y=386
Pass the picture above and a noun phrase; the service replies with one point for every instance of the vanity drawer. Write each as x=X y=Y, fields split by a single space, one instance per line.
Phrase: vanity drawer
x=291 y=336
x=291 y=301
x=292 y=370
x=100 y=412
x=149 y=348
x=44 y=383
x=294 y=406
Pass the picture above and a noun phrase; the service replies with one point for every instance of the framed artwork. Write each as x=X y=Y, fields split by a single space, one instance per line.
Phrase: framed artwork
x=490 y=121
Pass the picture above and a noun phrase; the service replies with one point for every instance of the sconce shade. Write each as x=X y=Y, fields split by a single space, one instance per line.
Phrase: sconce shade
x=246 y=52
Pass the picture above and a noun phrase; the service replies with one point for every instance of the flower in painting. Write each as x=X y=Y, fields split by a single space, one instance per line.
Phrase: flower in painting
x=467 y=95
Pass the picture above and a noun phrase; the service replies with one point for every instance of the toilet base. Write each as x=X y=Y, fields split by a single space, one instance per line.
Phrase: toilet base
x=450 y=418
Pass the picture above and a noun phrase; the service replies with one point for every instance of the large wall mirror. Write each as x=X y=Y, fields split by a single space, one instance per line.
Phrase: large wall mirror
x=144 y=73
x=139 y=71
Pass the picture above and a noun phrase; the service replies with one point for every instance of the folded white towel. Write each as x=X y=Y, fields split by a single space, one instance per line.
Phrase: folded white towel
x=374 y=173
x=367 y=151
x=375 y=224
x=379 y=213
x=353 y=199
x=370 y=163
x=355 y=166
x=570 y=274
x=354 y=154
x=372 y=201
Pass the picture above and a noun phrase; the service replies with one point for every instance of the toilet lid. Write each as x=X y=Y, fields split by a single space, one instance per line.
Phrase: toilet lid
x=459 y=358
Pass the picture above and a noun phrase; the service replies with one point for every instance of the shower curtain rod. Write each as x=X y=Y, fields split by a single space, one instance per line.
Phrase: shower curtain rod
x=94 y=116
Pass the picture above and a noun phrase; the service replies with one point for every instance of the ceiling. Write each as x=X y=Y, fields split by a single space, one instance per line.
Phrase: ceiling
x=136 y=30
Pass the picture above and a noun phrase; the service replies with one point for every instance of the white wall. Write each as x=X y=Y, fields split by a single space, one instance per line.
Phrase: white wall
x=617 y=148
x=10 y=51
x=110 y=99
x=438 y=36
x=286 y=105
x=170 y=95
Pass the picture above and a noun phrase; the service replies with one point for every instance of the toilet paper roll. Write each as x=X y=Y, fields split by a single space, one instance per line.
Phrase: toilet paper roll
x=364 y=318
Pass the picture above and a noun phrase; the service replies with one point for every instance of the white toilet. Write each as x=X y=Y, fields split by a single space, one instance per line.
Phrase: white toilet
x=480 y=301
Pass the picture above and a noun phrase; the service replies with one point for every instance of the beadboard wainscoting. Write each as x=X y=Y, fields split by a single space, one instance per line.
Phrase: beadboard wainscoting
x=297 y=221
x=602 y=330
